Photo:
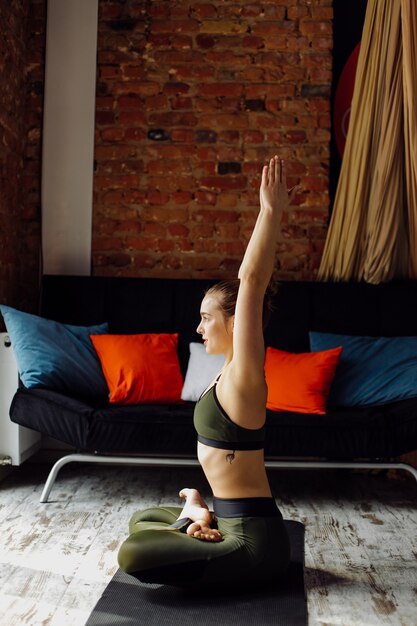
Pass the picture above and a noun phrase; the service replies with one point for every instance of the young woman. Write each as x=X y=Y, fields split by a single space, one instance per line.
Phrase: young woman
x=244 y=541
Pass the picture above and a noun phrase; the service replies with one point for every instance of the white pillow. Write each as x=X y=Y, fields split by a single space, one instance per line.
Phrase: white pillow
x=201 y=371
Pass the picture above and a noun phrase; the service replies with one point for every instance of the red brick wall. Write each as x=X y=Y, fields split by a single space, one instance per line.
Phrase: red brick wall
x=31 y=202
x=21 y=55
x=192 y=97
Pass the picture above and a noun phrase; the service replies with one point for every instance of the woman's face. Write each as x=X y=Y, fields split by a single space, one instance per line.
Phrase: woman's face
x=215 y=330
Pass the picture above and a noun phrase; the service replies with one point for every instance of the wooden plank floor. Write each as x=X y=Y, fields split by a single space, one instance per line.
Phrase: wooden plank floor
x=56 y=558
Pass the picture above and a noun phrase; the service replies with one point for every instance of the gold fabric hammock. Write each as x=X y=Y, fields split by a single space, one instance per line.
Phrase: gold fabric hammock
x=373 y=230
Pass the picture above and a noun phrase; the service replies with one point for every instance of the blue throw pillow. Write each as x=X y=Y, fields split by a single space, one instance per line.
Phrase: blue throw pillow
x=371 y=370
x=56 y=356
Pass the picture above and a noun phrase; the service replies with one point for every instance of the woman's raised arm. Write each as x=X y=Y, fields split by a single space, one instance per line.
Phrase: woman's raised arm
x=255 y=273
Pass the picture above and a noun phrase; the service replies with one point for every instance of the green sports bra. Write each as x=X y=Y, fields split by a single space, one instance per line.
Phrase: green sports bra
x=215 y=428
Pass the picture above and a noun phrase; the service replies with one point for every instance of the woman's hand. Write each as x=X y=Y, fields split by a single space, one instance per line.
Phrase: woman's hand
x=273 y=192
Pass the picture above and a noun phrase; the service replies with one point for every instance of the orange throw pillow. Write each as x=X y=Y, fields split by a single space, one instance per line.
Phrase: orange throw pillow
x=140 y=369
x=300 y=382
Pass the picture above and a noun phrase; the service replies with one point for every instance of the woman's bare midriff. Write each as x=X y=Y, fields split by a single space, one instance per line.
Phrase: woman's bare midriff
x=240 y=476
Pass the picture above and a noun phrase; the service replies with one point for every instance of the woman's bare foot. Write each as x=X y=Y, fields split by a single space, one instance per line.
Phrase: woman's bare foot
x=200 y=530
x=197 y=510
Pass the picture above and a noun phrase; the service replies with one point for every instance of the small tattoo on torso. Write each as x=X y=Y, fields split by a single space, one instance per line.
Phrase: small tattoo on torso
x=230 y=457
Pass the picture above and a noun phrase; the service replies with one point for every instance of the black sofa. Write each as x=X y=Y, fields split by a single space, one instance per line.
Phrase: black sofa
x=164 y=434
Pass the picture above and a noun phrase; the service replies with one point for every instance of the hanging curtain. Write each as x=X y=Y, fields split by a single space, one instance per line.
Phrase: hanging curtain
x=373 y=231
x=409 y=27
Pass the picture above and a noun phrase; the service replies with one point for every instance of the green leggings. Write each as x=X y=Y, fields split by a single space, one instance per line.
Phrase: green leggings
x=254 y=549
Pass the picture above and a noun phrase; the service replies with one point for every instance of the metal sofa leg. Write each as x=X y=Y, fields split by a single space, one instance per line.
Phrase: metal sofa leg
x=182 y=462
x=110 y=460
x=54 y=473
x=277 y=464
x=408 y=468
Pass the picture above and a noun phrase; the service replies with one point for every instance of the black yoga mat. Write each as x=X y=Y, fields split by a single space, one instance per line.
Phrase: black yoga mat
x=128 y=602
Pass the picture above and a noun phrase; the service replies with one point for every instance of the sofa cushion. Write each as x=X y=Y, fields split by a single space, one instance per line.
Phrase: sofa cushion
x=167 y=430
x=371 y=432
x=372 y=370
x=54 y=355
x=140 y=368
x=108 y=428
x=202 y=369
x=299 y=382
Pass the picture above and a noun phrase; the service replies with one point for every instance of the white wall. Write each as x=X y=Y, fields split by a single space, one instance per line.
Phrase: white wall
x=68 y=136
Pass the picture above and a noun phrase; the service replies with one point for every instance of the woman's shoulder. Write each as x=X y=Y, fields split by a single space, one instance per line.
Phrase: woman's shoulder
x=243 y=400
x=246 y=377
